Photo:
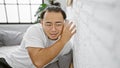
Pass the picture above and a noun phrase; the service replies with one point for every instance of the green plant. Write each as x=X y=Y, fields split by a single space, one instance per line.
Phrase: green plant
x=41 y=8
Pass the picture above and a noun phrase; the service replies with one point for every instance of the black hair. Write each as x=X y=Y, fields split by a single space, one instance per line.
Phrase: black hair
x=53 y=8
x=56 y=4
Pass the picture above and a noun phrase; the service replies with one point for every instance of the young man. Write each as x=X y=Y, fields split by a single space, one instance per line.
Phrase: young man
x=45 y=42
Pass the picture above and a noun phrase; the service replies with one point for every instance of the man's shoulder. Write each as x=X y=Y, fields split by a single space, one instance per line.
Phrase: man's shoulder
x=34 y=27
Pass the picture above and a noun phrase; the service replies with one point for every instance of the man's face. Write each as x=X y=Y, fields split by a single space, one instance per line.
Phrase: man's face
x=53 y=23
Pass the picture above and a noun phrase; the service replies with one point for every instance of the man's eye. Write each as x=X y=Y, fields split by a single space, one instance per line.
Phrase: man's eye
x=48 y=24
x=59 y=24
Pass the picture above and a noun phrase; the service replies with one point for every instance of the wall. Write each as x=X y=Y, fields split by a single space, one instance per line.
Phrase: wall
x=97 y=41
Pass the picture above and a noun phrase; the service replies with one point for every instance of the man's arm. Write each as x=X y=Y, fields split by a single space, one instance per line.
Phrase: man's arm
x=42 y=56
x=71 y=65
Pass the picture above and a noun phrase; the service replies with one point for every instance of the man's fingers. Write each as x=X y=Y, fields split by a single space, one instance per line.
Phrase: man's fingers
x=72 y=26
x=73 y=29
x=65 y=24
x=69 y=25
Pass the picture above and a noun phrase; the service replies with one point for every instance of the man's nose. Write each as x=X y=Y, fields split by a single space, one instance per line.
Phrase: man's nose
x=53 y=28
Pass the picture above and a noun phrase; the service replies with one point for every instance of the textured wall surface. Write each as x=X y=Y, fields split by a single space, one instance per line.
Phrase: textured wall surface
x=97 y=41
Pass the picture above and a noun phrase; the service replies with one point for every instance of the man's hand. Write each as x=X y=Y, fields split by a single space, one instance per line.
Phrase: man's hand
x=68 y=31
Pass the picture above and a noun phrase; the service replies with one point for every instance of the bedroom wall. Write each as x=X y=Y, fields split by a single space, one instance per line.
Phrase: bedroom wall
x=97 y=41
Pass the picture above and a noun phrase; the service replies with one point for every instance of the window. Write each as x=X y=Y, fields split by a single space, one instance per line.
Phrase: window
x=18 y=11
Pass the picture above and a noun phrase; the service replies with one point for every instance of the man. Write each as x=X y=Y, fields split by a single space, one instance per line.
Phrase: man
x=45 y=42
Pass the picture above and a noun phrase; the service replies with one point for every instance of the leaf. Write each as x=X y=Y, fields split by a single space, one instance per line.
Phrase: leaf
x=40 y=9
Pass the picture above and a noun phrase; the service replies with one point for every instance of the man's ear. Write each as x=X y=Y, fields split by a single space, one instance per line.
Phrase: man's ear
x=41 y=21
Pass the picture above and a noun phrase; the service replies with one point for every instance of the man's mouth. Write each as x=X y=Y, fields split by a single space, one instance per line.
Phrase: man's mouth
x=53 y=35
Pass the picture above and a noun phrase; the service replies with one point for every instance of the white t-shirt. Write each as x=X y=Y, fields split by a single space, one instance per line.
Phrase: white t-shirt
x=34 y=37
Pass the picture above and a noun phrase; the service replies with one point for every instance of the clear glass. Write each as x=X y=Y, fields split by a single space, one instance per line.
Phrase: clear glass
x=34 y=9
x=36 y=1
x=12 y=13
x=23 y=1
x=24 y=13
x=10 y=1
x=2 y=14
x=1 y=1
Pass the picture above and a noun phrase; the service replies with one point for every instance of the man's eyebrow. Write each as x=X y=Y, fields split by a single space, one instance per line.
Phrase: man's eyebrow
x=47 y=22
x=59 y=22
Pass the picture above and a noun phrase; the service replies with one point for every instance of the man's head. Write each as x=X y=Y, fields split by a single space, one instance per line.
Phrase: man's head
x=52 y=20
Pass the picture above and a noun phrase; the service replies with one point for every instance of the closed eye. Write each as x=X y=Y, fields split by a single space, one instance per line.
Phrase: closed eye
x=58 y=23
x=48 y=24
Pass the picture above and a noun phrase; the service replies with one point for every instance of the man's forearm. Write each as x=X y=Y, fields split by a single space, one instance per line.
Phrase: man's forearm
x=45 y=55
x=71 y=65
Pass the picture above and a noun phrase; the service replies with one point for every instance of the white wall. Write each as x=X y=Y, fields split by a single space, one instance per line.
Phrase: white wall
x=97 y=42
